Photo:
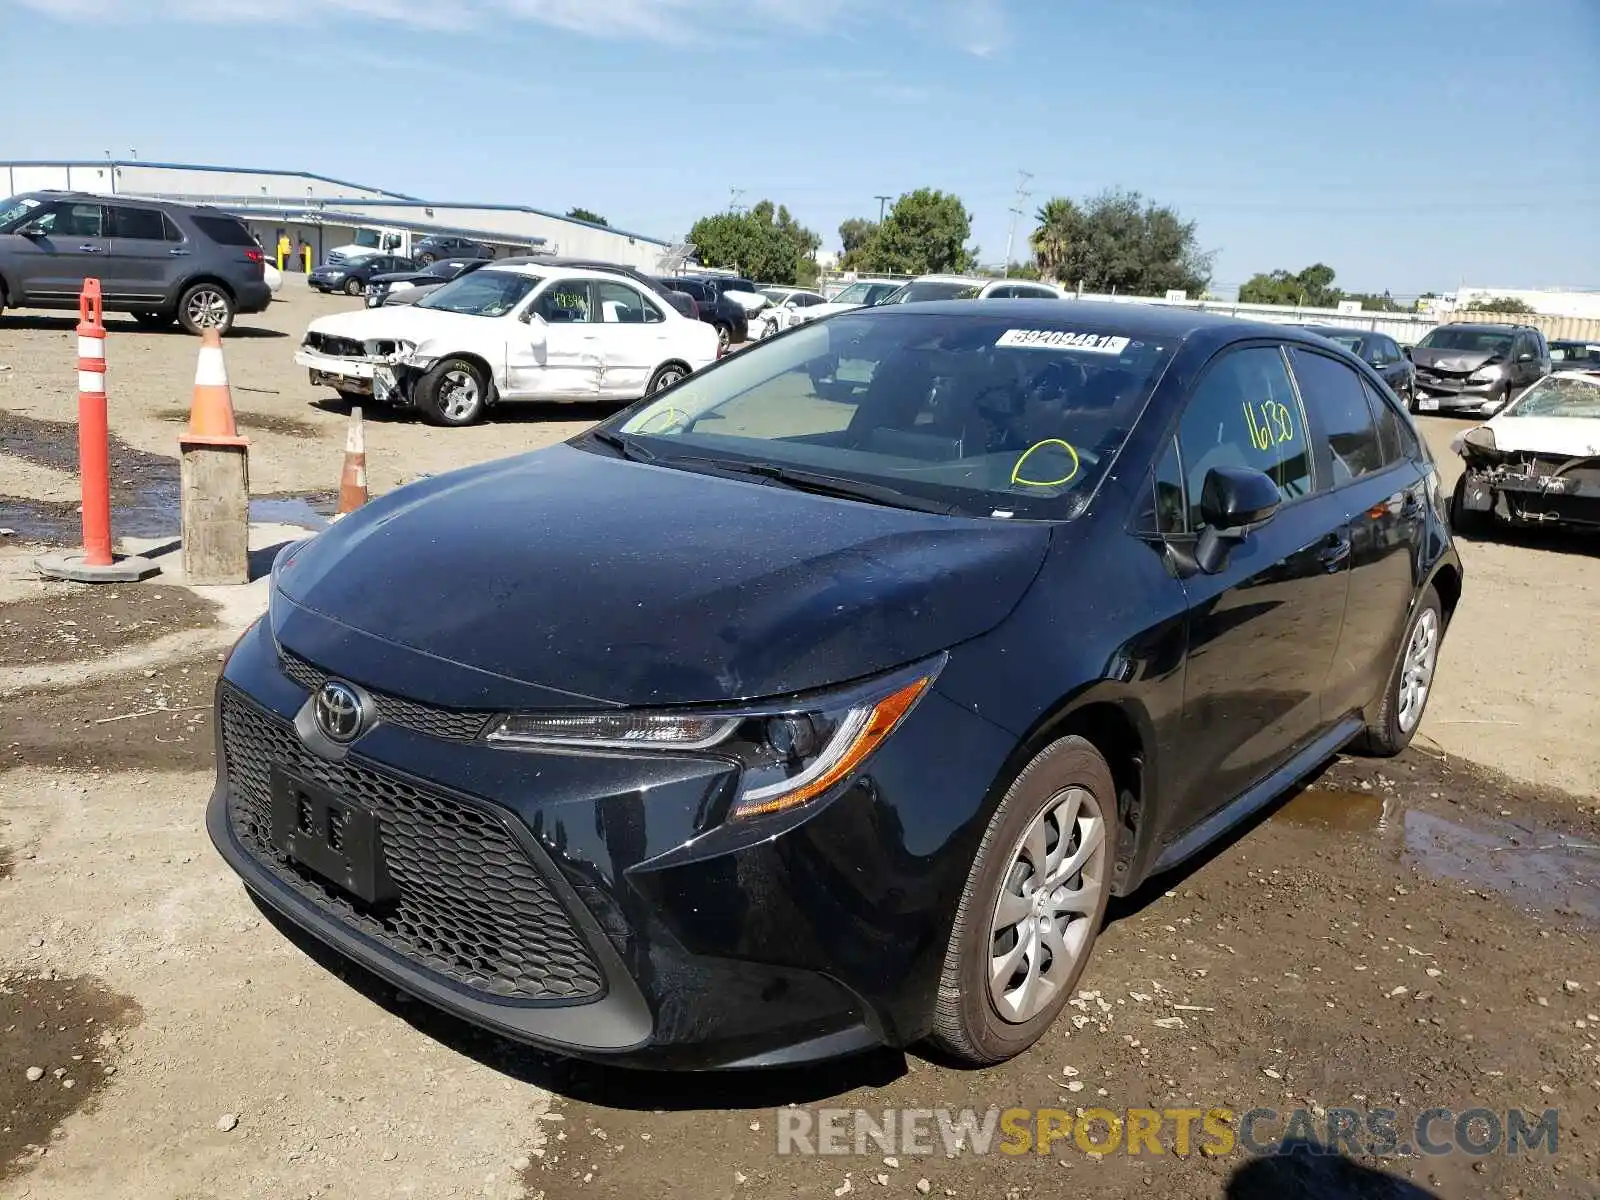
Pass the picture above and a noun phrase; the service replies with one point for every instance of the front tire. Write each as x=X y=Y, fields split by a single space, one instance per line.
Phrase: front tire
x=1468 y=522
x=1405 y=696
x=455 y=392
x=426 y=260
x=353 y=287
x=206 y=306
x=1032 y=907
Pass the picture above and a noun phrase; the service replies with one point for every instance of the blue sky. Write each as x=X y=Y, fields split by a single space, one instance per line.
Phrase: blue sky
x=1410 y=144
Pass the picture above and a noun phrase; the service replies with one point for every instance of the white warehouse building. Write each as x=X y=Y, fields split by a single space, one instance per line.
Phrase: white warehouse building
x=327 y=212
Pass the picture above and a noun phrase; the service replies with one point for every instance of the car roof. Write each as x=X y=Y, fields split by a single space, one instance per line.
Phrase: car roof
x=1497 y=326
x=1102 y=317
x=943 y=279
x=1325 y=330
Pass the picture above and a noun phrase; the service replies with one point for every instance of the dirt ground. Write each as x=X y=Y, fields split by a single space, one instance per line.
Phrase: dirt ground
x=1409 y=934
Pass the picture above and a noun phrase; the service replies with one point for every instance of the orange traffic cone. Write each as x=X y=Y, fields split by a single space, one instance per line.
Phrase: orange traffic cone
x=211 y=411
x=353 y=477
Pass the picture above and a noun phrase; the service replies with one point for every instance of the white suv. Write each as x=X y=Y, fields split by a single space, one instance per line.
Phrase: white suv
x=505 y=333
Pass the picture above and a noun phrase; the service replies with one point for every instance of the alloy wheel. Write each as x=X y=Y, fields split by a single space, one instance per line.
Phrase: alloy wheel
x=458 y=395
x=1044 y=916
x=207 y=308
x=1416 y=671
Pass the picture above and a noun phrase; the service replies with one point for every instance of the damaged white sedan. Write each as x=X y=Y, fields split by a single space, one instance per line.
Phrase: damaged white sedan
x=509 y=333
x=1537 y=462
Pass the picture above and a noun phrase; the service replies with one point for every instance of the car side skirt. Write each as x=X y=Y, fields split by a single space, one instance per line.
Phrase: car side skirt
x=1258 y=797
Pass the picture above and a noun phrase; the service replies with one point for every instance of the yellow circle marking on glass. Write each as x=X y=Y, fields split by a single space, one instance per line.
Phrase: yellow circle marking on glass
x=673 y=415
x=1016 y=471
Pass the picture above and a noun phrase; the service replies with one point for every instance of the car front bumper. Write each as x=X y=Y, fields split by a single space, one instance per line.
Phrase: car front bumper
x=647 y=939
x=1437 y=395
x=1524 y=494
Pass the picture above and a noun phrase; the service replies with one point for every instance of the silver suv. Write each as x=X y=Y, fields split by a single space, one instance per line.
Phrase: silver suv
x=160 y=261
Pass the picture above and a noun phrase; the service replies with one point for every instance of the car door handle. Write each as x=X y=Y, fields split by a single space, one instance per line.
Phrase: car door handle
x=91 y=249
x=179 y=251
x=1335 y=552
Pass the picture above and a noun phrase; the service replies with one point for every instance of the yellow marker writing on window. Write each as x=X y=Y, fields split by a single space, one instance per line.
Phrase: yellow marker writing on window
x=655 y=423
x=1016 y=471
x=1273 y=426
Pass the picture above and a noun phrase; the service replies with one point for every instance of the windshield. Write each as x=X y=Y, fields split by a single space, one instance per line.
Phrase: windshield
x=857 y=293
x=482 y=293
x=966 y=411
x=1574 y=352
x=16 y=211
x=776 y=295
x=1559 y=396
x=1350 y=341
x=1465 y=337
x=911 y=293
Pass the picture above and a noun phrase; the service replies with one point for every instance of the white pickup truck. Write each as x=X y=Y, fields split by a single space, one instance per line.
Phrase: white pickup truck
x=373 y=241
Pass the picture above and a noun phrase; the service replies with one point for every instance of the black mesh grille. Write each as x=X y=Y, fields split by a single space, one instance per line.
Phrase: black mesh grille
x=454 y=725
x=472 y=907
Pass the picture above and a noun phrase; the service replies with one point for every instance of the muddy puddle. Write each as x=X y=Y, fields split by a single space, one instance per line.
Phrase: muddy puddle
x=1536 y=867
x=150 y=513
x=56 y=1044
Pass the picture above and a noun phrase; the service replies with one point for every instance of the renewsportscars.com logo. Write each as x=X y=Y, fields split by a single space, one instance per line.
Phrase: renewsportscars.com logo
x=1214 y=1132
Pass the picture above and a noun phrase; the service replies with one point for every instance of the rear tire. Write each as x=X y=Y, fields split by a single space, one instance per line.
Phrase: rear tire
x=206 y=306
x=666 y=376
x=1019 y=908
x=724 y=338
x=455 y=392
x=1405 y=696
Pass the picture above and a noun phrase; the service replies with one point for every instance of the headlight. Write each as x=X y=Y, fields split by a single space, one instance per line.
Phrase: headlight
x=1486 y=374
x=788 y=752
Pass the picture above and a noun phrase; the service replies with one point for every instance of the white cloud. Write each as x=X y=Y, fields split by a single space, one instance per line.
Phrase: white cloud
x=977 y=26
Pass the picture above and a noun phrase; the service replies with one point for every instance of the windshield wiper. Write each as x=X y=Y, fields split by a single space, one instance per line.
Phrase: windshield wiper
x=623 y=446
x=836 y=485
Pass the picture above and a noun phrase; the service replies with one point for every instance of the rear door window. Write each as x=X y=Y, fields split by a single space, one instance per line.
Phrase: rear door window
x=141 y=224
x=1335 y=395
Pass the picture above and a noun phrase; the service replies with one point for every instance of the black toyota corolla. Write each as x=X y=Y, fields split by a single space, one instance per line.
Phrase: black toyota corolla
x=820 y=702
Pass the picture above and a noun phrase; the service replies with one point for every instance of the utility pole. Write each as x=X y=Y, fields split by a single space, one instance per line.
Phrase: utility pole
x=1016 y=211
x=882 y=200
x=735 y=196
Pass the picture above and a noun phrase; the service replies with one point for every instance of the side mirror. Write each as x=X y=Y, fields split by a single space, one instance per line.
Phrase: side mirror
x=33 y=229
x=1233 y=501
x=1406 y=350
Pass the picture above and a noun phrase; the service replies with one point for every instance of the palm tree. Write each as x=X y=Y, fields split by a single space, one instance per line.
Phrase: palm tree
x=1052 y=240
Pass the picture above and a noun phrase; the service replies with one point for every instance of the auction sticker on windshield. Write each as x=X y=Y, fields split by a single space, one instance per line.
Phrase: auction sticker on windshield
x=1062 y=339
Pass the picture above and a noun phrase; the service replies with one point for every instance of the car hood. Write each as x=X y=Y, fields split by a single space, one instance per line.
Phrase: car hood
x=1453 y=360
x=828 y=309
x=403 y=277
x=1575 y=436
x=564 y=578
x=414 y=324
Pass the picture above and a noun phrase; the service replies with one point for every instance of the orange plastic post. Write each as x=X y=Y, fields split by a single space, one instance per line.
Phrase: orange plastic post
x=94 y=435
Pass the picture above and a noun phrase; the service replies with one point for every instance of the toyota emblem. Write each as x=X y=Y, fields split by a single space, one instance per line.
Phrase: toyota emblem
x=338 y=711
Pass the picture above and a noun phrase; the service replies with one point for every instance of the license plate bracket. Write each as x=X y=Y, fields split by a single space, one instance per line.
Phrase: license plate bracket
x=326 y=834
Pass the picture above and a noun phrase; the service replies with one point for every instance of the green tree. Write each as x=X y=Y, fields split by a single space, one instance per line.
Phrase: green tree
x=1119 y=241
x=584 y=214
x=1310 y=288
x=856 y=233
x=925 y=232
x=766 y=244
x=1500 y=304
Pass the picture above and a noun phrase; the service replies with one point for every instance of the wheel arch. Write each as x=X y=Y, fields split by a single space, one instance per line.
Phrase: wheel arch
x=194 y=281
x=1119 y=727
x=1446 y=580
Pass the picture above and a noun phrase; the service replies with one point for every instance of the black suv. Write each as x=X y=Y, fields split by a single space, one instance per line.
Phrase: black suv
x=1481 y=367
x=726 y=315
x=160 y=261
x=432 y=249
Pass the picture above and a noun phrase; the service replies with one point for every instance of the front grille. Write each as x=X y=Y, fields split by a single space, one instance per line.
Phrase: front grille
x=472 y=907
x=340 y=347
x=451 y=724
